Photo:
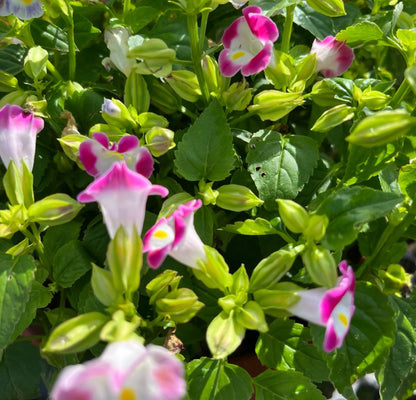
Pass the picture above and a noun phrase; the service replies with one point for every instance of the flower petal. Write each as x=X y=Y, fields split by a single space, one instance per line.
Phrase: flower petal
x=259 y=62
x=22 y=9
x=261 y=26
x=227 y=67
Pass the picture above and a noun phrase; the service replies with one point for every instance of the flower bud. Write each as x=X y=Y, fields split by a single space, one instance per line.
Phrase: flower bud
x=240 y=281
x=55 y=209
x=136 y=93
x=179 y=305
x=18 y=185
x=236 y=198
x=215 y=80
x=381 y=128
x=12 y=220
x=374 y=100
x=237 y=97
x=185 y=84
x=70 y=145
x=148 y=120
x=293 y=215
x=271 y=269
x=316 y=227
x=102 y=286
x=116 y=113
x=333 y=117
x=159 y=140
x=8 y=82
x=163 y=97
x=76 y=334
x=331 y=8
x=118 y=329
x=228 y=303
x=323 y=95
x=164 y=283
x=35 y=63
x=320 y=265
x=394 y=278
x=251 y=316
x=306 y=67
x=273 y=105
x=207 y=193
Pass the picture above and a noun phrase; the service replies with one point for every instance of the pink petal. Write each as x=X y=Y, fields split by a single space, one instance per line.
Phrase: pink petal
x=87 y=157
x=101 y=138
x=227 y=67
x=259 y=62
x=331 y=341
x=261 y=26
x=231 y=32
x=127 y=143
x=156 y=257
x=144 y=164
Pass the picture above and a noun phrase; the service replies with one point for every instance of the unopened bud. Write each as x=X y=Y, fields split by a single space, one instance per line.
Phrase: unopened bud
x=148 y=120
x=185 y=84
x=159 y=140
x=164 y=283
x=35 y=63
x=215 y=80
x=116 y=113
x=374 y=100
x=237 y=97
x=323 y=94
x=8 y=82
x=136 y=93
x=236 y=198
x=320 y=265
x=331 y=8
x=163 y=97
x=207 y=193
x=293 y=215
x=316 y=227
x=102 y=285
x=251 y=316
x=333 y=117
x=394 y=278
x=240 y=281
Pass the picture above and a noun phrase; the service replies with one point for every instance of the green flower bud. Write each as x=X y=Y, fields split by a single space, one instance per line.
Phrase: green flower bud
x=228 y=303
x=374 y=99
x=320 y=265
x=70 y=145
x=331 y=8
x=148 y=120
x=207 y=193
x=164 y=283
x=274 y=105
x=8 y=83
x=333 y=117
x=251 y=316
x=215 y=80
x=159 y=140
x=163 y=97
x=237 y=97
x=55 y=209
x=76 y=334
x=382 y=128
x=35 y=63
x=236 y=198
x=271 y=269
x=316 y=227
x=118 y=329
x=185 y=84
x=116 y=113
x=282 y=71
x=240 y=281
x=136 y=93
x=12 y=220
x=293 y=215
x=394 y=279
x=323 y=95
x=18 y=185
x=102 y=286
x=306 y=67
x=179 y=305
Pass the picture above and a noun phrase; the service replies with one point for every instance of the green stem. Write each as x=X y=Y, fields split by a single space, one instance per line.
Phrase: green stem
x=401 y=93
x=71 y=49
x=54 y=72
x=188 y=113
x=202 y=30
x=196 y=53
x=241 y=118
x=287 y=28
x=126 y=9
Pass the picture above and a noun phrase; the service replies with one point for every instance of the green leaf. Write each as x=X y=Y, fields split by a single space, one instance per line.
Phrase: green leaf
x=285 y=385
x=71 y=261
x=144 y=13
x=350 y=207
x=361 y=33
x=394 y=377
x=11 y=58
x=286 y=346
x=252 y=227
x=280 y=165
x=217 y=380
x=206 y=150
x=48 y=35
x=84 y=31
x=270 y=7
x=16 y=277
x=407 y=180
x=20 y=371
x=368 y=341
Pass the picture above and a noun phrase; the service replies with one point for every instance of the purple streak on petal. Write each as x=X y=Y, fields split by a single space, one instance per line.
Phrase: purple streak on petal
x=127 y=143
x=331 y=341
x=156 y=257
x=87 y=157
x=227 y=67
x=101 y=138
x=231 y=32
x=259 y=62
x=144 y=164
x=262 y=27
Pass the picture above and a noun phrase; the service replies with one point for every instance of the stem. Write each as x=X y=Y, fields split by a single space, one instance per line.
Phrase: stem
x=188 y=113
x=71 y=49
x=54 y=72
x=287 y=28
x=196 y=53
x=241 y=118
x=202 y=30
x=401 y=93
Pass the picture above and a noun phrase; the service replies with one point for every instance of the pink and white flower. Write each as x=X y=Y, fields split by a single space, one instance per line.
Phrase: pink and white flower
x=18 y=130
x=175 y=236
x=248 y=43
x=98 y=156
x=126 y=371
x=331 y=308
x=23 y=9
x=333 y=57
x=122 y=195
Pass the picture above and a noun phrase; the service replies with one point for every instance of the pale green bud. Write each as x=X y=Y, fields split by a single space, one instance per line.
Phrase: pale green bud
x=136 y=93
x=207 y=193
x=394 y=279
x=320 y=265
x=316 y=227
x=18 y=184
x=12 y=220
x=35 y=63
x=228 y=303
x=374 y=100
x=118 y=329
x=237 y=97
x=159 y=140
x=116 y=113
x=148 y=120
x=103 y=286
x=333 y=117
x=281 y=71
x=70 y=145
x=55 y=209
x=76 y=334
x=251 y=316
x=164 y=283
x=215 y=80
x=185 y=84
x=323 y=95
x=163 y=97
x=274 y=105
x=236 y=198
x=8 y=82
x=331 y=8
x=240 y=281
x=306 y=67
x=293 y=215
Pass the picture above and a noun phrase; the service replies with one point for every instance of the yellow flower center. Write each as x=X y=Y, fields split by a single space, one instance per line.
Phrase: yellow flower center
x=160 y=234
x=343 y=318
x=127 y=394
x=238 y=54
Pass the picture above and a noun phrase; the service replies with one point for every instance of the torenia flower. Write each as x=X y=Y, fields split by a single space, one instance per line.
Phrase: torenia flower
x=98 y=156
x=116 y=40
x=248 y=43
x=175 y=236
x=331 y=308
x=18 y=130
x=122 y=195
x=23 y=9
x=333 y=57
x=125 y=370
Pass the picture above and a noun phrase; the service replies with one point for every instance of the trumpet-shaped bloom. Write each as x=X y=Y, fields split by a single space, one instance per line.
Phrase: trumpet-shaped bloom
x=175 y=236
x=97 y=156
x=122 y=195
x=23 y=9
x=126 y=371
x=248 y=43
x=333 y=57
x=18 y=130
x=331 y=308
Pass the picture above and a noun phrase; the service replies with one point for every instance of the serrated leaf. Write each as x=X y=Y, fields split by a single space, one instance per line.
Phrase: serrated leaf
x=285 y=385
x=368 y=341
x=286 y=346
x=407 y=180
x=350 y=207
x=11 y=59
x=16 y=277
x=206 y=150
x=361 y=33
x=280 y=165
x=49 y=36
x=252 y=227
x=217 y=380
